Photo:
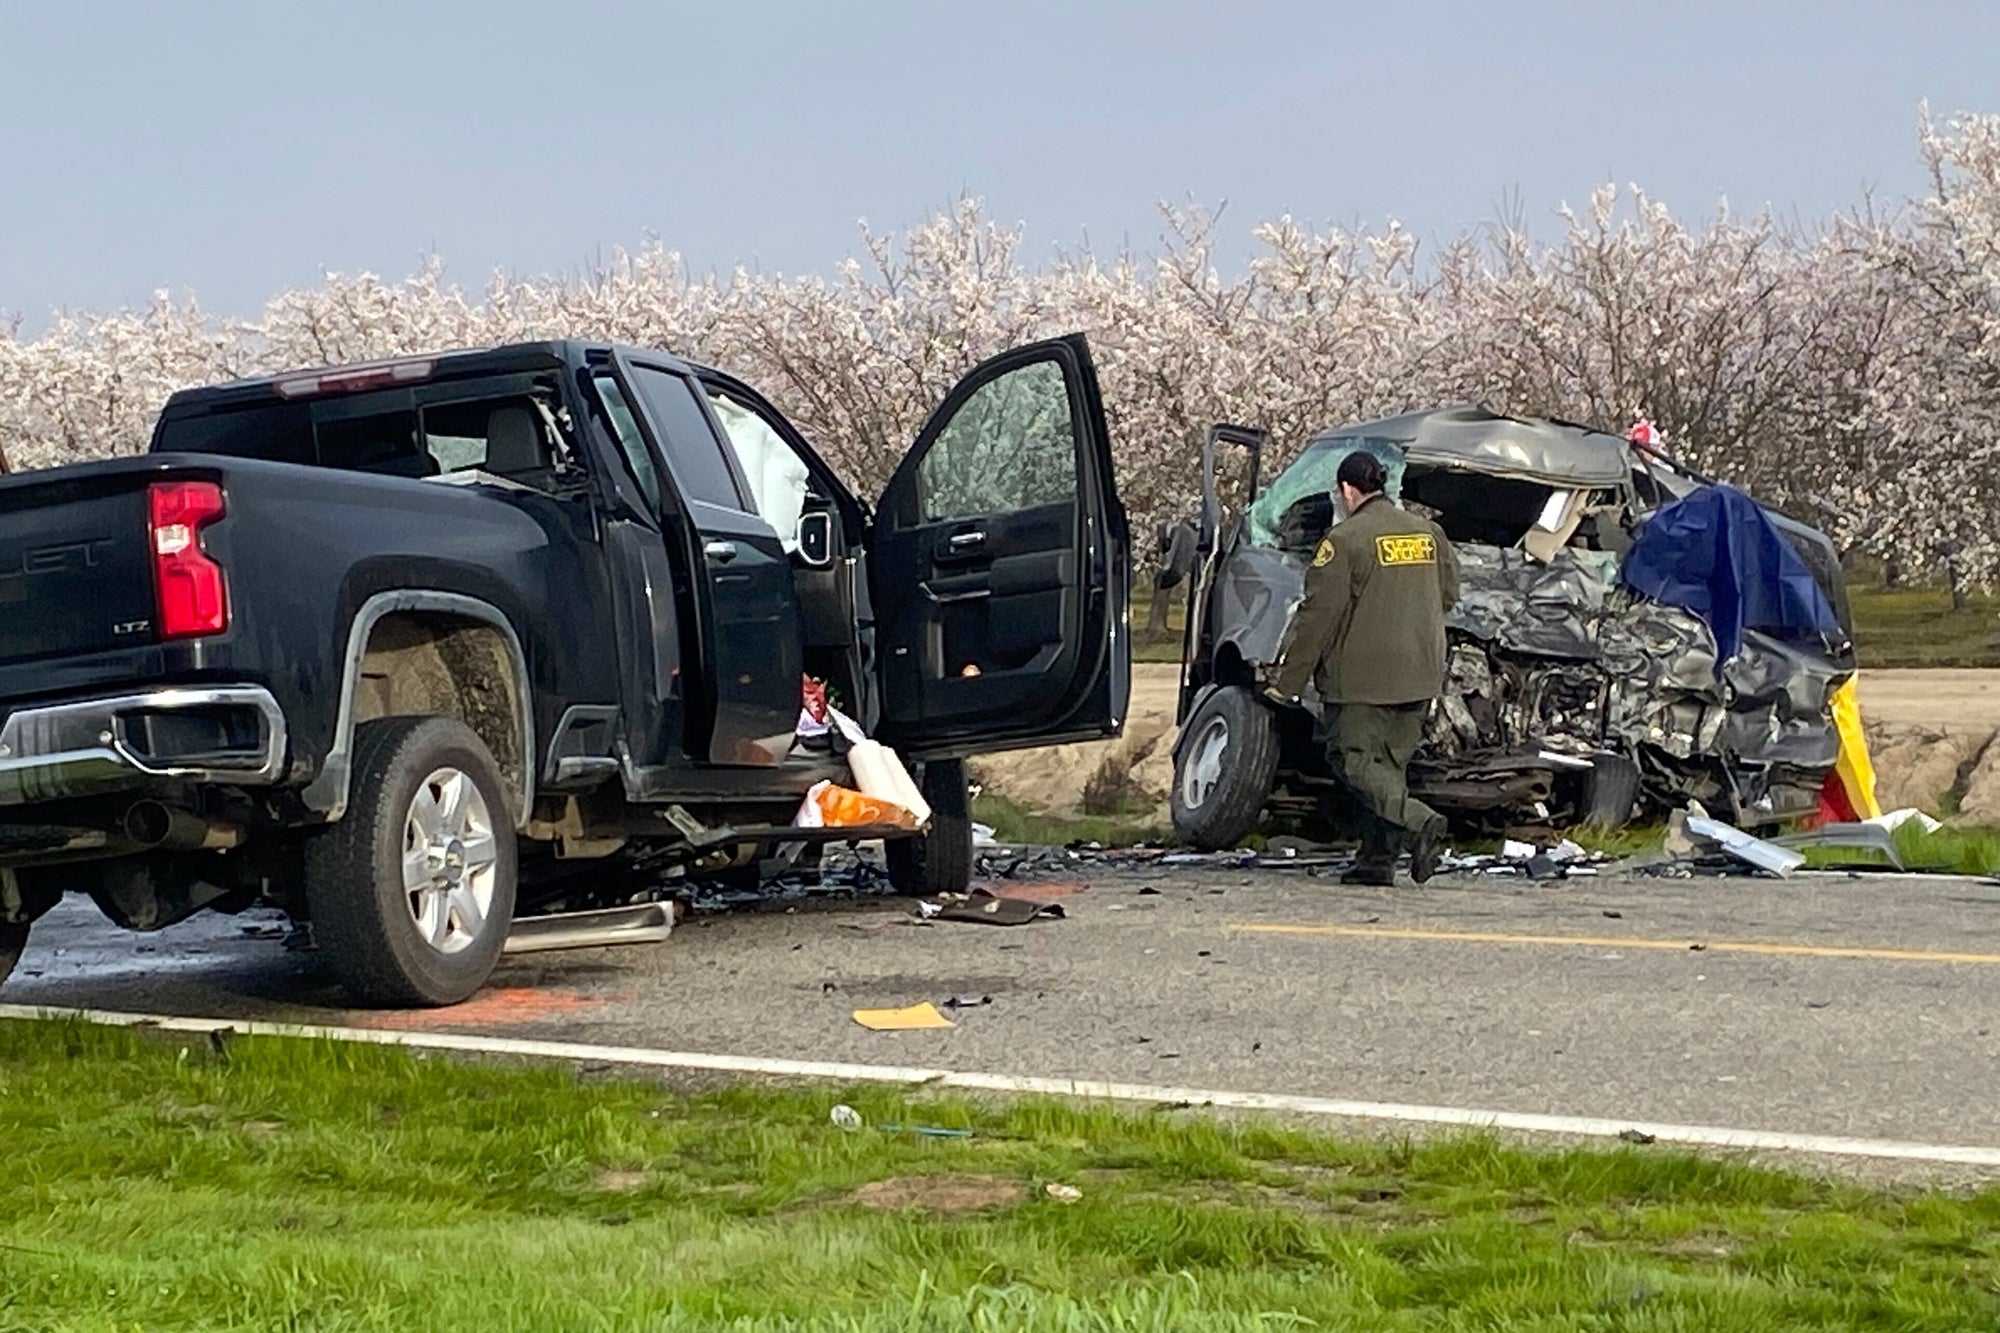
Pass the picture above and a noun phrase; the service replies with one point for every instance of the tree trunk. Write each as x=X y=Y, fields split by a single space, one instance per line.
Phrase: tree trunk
x=1156 y=611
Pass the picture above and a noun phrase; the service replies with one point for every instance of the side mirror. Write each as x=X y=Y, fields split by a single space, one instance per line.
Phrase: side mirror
x=816 y=539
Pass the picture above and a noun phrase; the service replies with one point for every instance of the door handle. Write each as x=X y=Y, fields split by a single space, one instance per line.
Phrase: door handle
x=965 y=595
x=965 y=541
x=720 y=552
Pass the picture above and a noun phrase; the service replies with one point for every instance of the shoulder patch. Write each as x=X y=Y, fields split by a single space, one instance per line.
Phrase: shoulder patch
x=1413 y=548
x=1324 y=555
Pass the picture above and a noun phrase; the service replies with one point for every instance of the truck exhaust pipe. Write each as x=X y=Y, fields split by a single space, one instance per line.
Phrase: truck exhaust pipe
x=158 y=827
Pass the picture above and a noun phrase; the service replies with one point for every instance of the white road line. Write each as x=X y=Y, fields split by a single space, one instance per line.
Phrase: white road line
x=1703 y=1136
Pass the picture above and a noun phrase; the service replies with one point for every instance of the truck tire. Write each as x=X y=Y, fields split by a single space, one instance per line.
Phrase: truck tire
x=13 y=939
x=1610 y=791
x=412 y=893
x=1223 y=769
x=938 y=860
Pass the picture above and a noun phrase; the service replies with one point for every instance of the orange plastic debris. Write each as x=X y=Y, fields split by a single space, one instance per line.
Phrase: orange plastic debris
x=828 y=806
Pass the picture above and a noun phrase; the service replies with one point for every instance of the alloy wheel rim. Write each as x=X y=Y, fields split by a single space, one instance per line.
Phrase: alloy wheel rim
x=1204 y=768
x=451 y=859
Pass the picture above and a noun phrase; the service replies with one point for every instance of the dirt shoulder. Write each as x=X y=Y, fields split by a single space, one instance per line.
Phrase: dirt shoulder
x=1948 y=699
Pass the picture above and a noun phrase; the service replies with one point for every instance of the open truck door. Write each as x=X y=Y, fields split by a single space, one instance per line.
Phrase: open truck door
x=1001 y=566
x=1198 y=638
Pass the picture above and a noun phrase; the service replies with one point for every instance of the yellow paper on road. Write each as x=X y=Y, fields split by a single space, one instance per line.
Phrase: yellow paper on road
x=923 y=1015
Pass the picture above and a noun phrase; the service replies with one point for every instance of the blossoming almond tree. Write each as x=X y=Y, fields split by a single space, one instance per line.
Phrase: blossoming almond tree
x=1849 y=371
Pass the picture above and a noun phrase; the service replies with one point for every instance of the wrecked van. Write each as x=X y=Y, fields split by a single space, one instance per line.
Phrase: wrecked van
x=1570 y=696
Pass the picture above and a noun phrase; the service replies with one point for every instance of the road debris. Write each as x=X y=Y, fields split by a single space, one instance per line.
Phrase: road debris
x=845 y=1117
x=1063 y=1193
x=911 y=1018
x=1895 y=819
x=1694 y=838
x=1752 y=851
x=989 y=909
x=1864 y=836
x=926 y=1131
x=1559 y=858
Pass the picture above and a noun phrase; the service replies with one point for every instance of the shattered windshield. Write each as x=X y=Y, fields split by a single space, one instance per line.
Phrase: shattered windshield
x=1298 y=507
x=1492 y=511
x=1472 y=506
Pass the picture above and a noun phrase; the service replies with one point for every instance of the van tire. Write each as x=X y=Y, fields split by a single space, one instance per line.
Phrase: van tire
x=1214 y=807
x=938 y=860
x=1610 y=791
x=364 y=918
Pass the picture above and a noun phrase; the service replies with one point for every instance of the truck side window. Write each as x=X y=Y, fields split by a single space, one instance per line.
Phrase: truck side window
x=693 y=451
x=624 y=427
x=506 y=437
x=1012 y=445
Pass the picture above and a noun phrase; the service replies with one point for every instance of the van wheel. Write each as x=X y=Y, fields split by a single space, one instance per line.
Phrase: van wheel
x=938 y=860
x=1610 y=791
x=1223 y=769
x=412 y=893
x=13 y=939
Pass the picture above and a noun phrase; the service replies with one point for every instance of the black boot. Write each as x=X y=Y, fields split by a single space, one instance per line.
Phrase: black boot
x=1426 y=850
x=1375 y=863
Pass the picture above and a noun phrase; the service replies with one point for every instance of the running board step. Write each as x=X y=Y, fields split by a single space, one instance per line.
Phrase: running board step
x=648 y=923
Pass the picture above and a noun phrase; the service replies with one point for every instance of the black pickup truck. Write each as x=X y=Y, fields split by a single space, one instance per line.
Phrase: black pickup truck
x=428 y=651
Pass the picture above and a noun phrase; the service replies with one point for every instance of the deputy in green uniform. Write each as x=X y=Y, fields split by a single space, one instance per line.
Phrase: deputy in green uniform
x=1370 y=636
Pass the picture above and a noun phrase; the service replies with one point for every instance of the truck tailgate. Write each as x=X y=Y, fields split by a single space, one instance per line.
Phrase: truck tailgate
x=75 y=573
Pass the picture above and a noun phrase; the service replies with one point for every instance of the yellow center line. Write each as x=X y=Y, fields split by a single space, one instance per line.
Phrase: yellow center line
x=1624 y=942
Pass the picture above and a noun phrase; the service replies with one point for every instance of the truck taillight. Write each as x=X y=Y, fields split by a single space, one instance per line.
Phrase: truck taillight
x=193 y=594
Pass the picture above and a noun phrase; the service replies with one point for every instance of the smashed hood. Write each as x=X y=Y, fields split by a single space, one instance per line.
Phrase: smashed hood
x=1559 y=655
x=1475 y=439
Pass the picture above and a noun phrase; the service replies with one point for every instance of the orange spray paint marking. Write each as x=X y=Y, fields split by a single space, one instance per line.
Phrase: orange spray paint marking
x=508 y=1006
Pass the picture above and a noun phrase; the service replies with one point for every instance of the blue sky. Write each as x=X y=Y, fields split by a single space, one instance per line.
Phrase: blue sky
x=236 y=149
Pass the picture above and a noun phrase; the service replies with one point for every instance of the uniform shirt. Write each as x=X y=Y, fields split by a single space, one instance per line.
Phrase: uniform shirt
x=1371 y=627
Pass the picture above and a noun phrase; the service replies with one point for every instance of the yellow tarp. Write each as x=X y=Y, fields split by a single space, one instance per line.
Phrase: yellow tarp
x=1856 y=770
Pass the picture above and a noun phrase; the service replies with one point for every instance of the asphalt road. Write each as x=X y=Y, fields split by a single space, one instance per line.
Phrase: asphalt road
x=1852 y=1006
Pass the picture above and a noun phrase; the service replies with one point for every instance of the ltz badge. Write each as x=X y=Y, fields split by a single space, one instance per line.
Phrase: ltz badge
x=1414 y=549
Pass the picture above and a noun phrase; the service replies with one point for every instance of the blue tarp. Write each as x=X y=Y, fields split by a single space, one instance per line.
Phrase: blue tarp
x=1718 y=554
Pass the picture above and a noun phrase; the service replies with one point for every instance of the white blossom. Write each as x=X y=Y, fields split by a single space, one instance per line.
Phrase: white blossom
x=1848 y=371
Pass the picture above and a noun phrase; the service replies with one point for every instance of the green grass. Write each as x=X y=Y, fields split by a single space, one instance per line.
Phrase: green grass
x=1955 y=851
x=1015 y=823
x=1916 y=627
x=156 y=1184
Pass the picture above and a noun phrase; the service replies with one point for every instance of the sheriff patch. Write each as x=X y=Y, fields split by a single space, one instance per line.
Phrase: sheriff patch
x=1417 y=548
x=1324 y=555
